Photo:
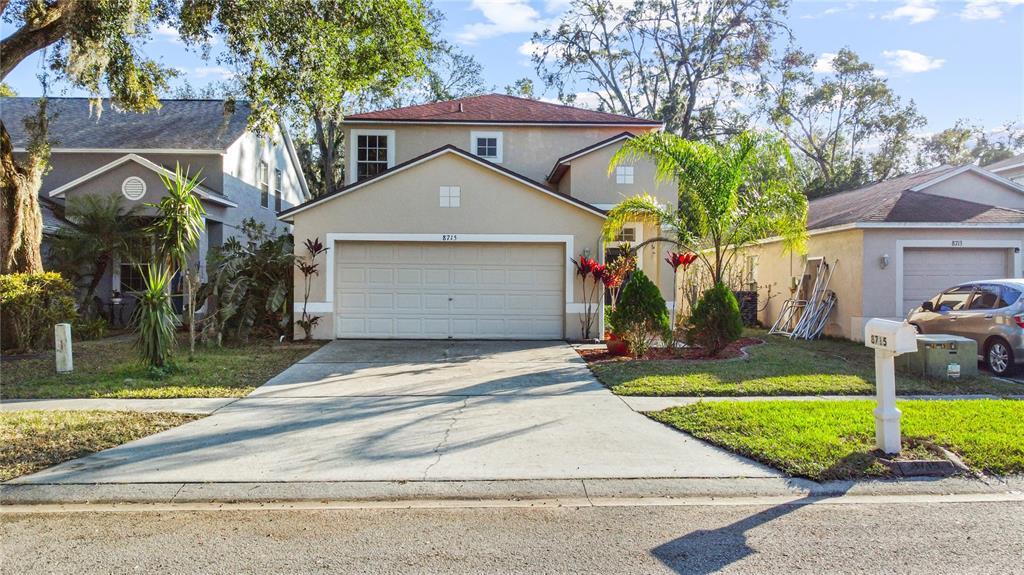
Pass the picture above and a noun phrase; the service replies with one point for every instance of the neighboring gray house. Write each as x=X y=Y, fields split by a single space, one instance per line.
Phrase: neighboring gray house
x=100 y=150
x=1010 y=168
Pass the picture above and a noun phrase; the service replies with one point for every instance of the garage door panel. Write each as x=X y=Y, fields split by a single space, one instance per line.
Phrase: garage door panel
x=449 y=290
x=928 y=271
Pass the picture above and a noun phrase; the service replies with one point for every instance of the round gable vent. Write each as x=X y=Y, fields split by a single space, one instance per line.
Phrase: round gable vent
x=133 y=188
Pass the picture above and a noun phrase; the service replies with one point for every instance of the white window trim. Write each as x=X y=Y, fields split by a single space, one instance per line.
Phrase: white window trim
x=277 y=190
x=638 y=236
x=1018 y=257
x=259 y=172
x=501 y=148
x=450 y=193
x=622 y=174
x=354 y=155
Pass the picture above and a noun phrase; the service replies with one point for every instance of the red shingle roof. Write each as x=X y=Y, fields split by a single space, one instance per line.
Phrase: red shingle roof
x=498 y=108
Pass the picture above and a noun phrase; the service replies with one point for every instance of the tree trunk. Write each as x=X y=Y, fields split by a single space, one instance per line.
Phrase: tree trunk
x=325 y=141
x=21 y=221
x=99 y=268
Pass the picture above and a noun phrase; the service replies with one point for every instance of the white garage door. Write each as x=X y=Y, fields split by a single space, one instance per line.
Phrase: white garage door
x=449 y=290
x=928 y=271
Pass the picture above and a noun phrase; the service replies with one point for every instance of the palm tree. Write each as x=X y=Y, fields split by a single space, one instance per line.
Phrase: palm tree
x=179 y=223
x=731 y=194
x=101 y=227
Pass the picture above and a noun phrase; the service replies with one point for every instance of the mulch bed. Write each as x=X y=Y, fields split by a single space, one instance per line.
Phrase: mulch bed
x=733 y=350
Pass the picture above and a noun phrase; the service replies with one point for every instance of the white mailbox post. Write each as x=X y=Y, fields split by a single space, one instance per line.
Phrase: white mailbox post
x=889 y=339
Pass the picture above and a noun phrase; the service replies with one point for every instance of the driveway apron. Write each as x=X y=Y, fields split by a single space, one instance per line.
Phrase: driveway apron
x=416 y=410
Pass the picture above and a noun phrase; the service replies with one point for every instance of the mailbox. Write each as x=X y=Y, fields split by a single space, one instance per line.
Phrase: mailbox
x=889 y=339
x=896 y=337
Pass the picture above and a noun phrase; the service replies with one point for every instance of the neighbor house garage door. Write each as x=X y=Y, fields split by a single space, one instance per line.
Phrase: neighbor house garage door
x=449 y=290
x=928 y=271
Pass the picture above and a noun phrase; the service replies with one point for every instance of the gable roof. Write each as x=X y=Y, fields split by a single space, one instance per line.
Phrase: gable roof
x=1014 y=162
x=902 y=199
x=207 y=125
x=560 y=167
x=447 y=149
x=201 y=191
x=498 y=109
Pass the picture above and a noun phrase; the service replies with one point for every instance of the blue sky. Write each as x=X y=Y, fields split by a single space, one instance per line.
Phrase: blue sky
x=954 y=58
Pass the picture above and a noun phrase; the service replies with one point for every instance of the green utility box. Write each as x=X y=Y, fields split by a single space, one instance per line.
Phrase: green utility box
x=941 y=356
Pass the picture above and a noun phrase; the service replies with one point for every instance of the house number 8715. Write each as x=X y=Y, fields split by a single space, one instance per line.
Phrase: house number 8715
x=449 y=237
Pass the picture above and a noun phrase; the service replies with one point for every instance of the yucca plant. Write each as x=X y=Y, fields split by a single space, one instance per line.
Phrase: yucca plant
x=155 y=321
x=179 y=224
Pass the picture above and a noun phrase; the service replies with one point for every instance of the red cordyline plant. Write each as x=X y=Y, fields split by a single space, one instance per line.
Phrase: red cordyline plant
x=308 y=267
x=589 y=268
x=677 y=260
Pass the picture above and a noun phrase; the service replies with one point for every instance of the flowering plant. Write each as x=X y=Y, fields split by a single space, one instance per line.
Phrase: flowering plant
x=677 y=260
x=309 y=267
x=588 y=268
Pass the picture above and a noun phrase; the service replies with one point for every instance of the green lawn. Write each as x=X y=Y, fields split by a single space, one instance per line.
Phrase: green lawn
x=834 y=439
x=111 y=368
x=781 y=366
x=34 y=440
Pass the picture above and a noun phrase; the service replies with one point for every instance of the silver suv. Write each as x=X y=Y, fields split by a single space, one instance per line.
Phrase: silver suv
x=991 y=312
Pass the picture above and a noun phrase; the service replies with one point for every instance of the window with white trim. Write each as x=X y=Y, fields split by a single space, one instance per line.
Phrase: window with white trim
x=626 y=235
x=487 y=145
x=624 y=175
x=263 y=183
x=451 y=196
x=371 y=155
x=278 y=184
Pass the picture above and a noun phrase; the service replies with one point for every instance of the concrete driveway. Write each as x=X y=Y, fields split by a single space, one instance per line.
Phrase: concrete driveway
x=416 y=410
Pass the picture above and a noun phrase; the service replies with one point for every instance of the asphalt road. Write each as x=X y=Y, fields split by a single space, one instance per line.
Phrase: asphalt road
x=933 y=538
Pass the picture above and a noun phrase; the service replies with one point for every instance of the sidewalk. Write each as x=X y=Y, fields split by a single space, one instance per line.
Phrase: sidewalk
x=562 y=491
x=201 y=405
x=648 y=403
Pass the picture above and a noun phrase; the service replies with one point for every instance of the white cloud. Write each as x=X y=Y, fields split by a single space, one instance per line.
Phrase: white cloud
x=829 y=11
x=916 y=11
x=502 y=17
x=987 y=9
x=910 y=62
x=823 y=65
x=529 y=48
x=167 y=33
x=219 y=72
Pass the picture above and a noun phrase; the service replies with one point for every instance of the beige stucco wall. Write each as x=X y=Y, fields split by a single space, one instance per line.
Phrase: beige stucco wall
x=528 y=150
x=975 y=188
x=407 y=202
x=776 y=270
x=864 y=289
x=592 y=183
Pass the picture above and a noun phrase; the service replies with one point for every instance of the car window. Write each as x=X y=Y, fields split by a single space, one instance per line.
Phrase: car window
x=954 y=299
x=1009 y=295
x=987 y=297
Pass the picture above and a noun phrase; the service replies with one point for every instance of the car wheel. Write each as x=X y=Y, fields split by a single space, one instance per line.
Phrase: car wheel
x=999 y=357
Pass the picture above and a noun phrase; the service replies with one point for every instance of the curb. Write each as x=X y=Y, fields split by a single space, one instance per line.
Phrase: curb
x=571 y=491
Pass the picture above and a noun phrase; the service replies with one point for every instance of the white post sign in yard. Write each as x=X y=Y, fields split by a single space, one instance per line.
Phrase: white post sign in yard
x=889 y=339
x=62 y=346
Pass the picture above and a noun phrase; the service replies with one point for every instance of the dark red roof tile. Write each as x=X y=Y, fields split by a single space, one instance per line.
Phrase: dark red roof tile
x=498 y=108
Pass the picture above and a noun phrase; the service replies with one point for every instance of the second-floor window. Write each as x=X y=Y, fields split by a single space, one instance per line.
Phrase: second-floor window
x=263 y=182
x=487 y=145
x=278 y=189
x=624 y=175
x=371 y=155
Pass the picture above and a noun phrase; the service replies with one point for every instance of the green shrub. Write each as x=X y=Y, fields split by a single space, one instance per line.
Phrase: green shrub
x=31 y=304
x=715 y=321
x=641 y=314
x=155 y=321
x=89 y=329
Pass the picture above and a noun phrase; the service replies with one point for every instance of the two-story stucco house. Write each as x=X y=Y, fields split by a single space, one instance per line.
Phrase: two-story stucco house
x=101 y=150
x=461 y=219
